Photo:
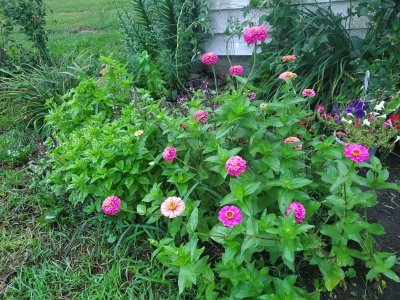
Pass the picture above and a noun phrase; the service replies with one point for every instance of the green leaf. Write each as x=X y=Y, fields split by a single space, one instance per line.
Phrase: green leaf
x=186 y=277
x=193 y=220
x=141 y=209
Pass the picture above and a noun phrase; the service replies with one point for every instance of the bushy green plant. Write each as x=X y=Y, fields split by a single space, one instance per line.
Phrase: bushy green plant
x=263 y=256
x=101 y=149
x=171 y=32
x=30 y=17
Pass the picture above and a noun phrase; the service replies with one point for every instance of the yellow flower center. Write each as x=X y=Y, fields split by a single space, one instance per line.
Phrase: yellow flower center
x=356 y=152
x=172 y=205
x=107 y=203
x=229 y=215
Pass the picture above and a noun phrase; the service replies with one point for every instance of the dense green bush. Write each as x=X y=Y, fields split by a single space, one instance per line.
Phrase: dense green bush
x=111 y=139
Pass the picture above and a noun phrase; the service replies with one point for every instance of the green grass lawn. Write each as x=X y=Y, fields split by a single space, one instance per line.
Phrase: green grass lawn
x=79 y=25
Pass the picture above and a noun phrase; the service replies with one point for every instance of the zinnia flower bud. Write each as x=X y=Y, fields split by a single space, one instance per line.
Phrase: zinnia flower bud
x=169 y=153
x=209 y=58
x=299 y=211
x=202 y=115
x=235 y=165
x=236 y=70
x=111 y=205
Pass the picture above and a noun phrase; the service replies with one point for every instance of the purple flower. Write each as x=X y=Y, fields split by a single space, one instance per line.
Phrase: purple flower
x=359 y=113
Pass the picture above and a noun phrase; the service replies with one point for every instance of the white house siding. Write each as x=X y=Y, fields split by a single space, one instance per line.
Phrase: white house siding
x=220 y=10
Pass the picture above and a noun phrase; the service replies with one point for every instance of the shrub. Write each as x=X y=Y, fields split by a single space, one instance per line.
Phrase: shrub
x=170 y=31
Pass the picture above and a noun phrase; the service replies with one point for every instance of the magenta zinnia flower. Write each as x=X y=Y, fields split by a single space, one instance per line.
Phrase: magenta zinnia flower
x=202 y=115
x=172 y=207
x=357 y=153
x=293 y=139
x=169 y=153
x=230 y=216
x=111 y=205
x=255 y=33
x=308 y=93
x=298 y=209
x=235 y=165
x=236 y=70
x=209 y=58
x=252 y=96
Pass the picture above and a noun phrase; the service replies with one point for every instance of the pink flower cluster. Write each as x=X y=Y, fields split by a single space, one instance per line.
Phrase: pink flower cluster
x=255 y=33
x=235 y=165
x=308 y=93
x=111 y=205
x=209 y=58
x=169 y=154
x=298 y=210
x=293 y=139
x=320 y=108
x=202 y=115
x=357 y=153
x=236 y=70
x=230 y=216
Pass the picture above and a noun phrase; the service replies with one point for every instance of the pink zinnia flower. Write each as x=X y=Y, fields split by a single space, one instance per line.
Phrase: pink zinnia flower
x=357 y=153
x=209 y=58
x=111 y=205
x=288 y=58
x=308 y=93
x=293 y=139
x=298 y=210
x=230 y=216
x=319 y=108
x=172 y=207
x=169 y=153
x=236 y=70
x=255 y=33
x=202 y=114
x=252 y=96
x=287 y=75
x=235 y=165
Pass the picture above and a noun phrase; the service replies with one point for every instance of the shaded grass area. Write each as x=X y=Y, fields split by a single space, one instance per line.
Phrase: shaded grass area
x=78 y=25
x=70 y=259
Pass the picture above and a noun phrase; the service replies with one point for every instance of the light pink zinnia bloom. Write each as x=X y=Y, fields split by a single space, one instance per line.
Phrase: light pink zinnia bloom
x=255 y=33
x=287 y=75
x=172 y=207
x=202 y=115
x=357 y=153
x=236 y=70
x=293 y=139
x=209 y=58
x=319 y=108
x=298 y=210
x=308 y=93
x=252 y=96
x=235 y=165
x=288 y=58
x=138 y=133
x=111 y=205
x=169 y=153
x=230 y=216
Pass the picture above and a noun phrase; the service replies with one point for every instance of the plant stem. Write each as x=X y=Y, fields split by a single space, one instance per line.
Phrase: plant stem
x=215 y=79
x=345 y=198
x=252 y=68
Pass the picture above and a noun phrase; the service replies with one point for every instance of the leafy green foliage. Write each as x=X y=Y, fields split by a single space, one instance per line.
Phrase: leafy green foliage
x=170 y=31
